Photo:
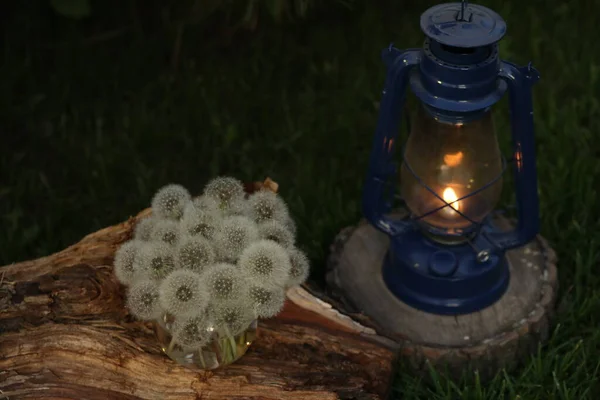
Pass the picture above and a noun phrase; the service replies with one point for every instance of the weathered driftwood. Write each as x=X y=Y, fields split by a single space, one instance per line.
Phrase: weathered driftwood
x=496 y=337
x=65 y=334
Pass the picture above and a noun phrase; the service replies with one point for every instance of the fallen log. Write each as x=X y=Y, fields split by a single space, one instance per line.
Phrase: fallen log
x=66 y=334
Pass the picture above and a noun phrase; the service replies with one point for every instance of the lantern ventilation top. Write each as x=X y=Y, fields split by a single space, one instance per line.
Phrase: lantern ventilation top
x=463 y=25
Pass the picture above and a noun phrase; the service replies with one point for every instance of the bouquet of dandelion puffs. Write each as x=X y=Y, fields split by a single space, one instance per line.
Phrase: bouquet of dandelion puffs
x=206 y=268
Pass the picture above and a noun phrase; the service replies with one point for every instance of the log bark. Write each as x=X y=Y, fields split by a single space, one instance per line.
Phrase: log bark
x=66 y=334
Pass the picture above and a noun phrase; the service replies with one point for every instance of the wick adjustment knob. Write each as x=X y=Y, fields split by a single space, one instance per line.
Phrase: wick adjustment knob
x=443 y=263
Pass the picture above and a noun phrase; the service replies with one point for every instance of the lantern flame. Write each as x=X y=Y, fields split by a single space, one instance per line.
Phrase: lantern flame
x=451 y=198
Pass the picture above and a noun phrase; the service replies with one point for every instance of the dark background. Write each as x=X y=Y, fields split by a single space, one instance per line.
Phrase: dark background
x=99 y=112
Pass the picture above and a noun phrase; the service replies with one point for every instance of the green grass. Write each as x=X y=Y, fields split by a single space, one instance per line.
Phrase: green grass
x=90 y=131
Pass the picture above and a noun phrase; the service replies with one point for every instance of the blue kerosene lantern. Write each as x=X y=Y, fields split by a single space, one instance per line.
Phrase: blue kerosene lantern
x=448 y=257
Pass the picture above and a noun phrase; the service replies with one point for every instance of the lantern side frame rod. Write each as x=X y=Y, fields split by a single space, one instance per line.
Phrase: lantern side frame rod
x=374 y=205
x=520 y=81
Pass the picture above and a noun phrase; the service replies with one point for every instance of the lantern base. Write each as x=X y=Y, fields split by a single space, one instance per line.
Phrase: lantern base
x=496 y=337
x=444 y=279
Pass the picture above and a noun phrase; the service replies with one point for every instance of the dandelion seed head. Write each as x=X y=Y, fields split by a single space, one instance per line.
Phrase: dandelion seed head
x=300 y=267
x=289 y=223
x=225 y=190
x=155 y=260
x=233 y=318
x=266 y=262
x=267 y=302
x=266 y=205
x=225 y=283
x=170 y=201
x=183 y=293
x=205 y=203
x=235 y=234
x=124 y=263
x=191 y=332
x=194 y=253
x=143 y=229
x=200 y=222
x=237 y=206
x=277 y=232
x=167 y=231
x=142 y=300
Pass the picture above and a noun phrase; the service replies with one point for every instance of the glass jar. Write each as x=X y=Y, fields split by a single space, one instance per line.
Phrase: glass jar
x=219 y=351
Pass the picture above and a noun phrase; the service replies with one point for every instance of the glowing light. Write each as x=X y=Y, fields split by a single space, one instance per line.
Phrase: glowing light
x=390 y=145
x=519 y=159
x=452 y=160
x=451 y=198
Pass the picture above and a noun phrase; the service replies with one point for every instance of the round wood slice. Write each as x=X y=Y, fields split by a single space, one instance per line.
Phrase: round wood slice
x=488 y=340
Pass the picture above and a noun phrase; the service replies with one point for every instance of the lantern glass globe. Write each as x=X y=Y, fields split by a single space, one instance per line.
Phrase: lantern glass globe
x=453 y=159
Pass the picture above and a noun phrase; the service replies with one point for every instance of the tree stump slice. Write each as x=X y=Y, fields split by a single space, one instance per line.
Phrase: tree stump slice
x=65 y=334
x=494 y=338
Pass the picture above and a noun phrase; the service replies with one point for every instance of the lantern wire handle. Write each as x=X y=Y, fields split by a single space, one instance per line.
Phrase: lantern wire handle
x=463 y=8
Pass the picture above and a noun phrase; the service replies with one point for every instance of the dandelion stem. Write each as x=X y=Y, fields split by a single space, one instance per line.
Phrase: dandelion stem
x=171 y=344
x=201 y=355
x=215 y=347
x=232 y=344
x=225 y=350
x=222 y=344
x=234 y=347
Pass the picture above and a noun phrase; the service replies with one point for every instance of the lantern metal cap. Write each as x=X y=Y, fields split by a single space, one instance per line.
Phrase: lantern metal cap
x=463 y=25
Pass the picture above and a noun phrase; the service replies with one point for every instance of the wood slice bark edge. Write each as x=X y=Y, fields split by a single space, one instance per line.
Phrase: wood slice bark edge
x=505 y=348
